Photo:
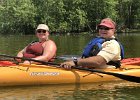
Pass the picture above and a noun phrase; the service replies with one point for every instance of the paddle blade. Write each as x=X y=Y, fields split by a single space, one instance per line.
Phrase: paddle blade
x=125 y=77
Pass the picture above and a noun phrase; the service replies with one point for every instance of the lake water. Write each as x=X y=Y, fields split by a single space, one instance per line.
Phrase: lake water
x=71 y=45
x=96 y=91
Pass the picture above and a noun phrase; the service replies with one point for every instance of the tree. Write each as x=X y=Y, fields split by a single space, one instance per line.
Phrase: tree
x=17 y=16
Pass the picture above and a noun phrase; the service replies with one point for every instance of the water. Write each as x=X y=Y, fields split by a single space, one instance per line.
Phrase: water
x=71 y=45
x=68 y=45
x=96 y=91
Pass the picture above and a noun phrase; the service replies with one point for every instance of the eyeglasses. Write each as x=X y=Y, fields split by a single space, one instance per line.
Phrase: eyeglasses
x=104 y=28
x=41 y=31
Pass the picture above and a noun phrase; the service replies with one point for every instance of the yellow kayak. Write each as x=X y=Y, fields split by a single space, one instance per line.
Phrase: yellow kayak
x=50 y=74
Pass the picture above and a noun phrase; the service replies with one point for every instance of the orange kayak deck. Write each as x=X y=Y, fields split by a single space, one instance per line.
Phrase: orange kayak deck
x=44 y=74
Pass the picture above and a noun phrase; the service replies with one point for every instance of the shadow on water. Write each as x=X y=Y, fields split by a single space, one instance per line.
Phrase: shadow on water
x=96 y=91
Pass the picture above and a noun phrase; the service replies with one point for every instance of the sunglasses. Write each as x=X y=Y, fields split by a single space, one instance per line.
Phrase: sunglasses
x=41 y=31
x=104 y=28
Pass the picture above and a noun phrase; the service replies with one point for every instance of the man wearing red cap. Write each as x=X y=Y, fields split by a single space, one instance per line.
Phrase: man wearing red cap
x=102 y=52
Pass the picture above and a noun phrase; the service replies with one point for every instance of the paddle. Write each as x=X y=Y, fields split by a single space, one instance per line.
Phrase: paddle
x=22 y=58
x=62 y=57
x=118 y=75
x=121 y=76
x=68 y=57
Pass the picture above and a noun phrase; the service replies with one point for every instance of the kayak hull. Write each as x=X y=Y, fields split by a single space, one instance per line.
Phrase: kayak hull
x=43 y=74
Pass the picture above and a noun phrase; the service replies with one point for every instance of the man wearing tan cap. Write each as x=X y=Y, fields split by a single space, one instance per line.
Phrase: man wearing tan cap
x=103 y=51
x=44 y=49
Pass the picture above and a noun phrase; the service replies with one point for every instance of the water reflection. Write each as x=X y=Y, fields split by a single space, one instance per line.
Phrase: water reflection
x=97 y=91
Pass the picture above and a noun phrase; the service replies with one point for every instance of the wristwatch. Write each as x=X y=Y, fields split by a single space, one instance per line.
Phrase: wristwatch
x=75 y=61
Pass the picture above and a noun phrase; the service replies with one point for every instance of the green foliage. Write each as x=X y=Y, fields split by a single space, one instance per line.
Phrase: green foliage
x=22 y=16
x=128 y=13
x=16 y=16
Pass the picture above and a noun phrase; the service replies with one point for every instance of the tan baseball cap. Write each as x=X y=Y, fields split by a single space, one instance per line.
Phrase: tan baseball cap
x=43 y=27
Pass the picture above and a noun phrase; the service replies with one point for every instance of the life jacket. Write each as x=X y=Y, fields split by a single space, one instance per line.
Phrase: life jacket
x=33 y=50
x=95 y=45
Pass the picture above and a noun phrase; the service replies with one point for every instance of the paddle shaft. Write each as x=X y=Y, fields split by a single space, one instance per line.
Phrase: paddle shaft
x=67 y=57
x=22 y=58
x=118 y=75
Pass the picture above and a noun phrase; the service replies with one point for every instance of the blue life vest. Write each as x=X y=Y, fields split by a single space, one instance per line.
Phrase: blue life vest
x=95 y=45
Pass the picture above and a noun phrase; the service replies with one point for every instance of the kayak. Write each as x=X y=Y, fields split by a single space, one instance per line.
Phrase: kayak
x=32 y=74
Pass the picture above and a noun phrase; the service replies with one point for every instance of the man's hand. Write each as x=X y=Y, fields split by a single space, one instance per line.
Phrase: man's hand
x=67 y=65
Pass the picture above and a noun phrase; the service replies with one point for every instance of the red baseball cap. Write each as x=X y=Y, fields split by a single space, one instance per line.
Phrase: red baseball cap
x=108 y=23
